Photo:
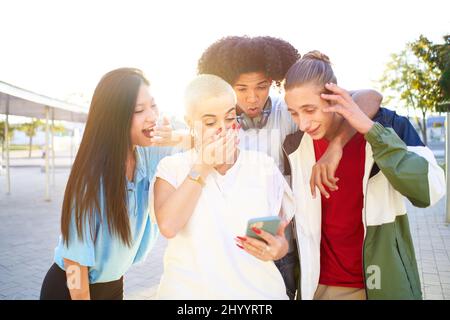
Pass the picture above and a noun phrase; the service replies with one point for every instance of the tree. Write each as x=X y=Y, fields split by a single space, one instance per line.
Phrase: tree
x=30 y=129
x=58 y=129
x=2 y=131
x=414 y=75
x=436 y=56
x=11 y=129
x=443 y=62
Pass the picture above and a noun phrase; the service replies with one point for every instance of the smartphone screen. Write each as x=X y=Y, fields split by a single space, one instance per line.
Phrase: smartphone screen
x=268 y=224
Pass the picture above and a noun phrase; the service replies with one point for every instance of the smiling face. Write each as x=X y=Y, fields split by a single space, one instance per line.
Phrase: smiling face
x=252 y=91
x=305 y=105
x=144 y=117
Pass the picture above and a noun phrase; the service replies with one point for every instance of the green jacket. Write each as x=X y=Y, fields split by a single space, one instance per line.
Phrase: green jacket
x=397 y=165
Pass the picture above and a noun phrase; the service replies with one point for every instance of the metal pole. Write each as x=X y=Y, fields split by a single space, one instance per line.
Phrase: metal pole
x=447 y=165
x=8 y=176
x=47 y=149
x=53 y=146
x=71 y=139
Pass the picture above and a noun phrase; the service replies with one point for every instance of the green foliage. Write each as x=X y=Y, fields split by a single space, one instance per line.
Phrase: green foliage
x=416 y=76
x=443 y=62
x=11 y=129
x=30 y=128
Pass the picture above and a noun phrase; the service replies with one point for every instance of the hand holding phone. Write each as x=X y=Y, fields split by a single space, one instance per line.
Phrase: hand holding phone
x=269 y=224
x=265 y=238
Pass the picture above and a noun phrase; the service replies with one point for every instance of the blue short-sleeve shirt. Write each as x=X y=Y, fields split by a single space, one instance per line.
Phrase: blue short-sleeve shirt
x=107 y=257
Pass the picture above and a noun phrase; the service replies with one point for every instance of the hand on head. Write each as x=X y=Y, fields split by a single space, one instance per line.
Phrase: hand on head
x=343 y=104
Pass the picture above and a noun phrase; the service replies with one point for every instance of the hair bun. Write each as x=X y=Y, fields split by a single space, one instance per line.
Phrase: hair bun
x=317 y=55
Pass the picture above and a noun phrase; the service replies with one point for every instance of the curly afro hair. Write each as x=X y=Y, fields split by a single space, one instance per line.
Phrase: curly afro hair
x=229 y=57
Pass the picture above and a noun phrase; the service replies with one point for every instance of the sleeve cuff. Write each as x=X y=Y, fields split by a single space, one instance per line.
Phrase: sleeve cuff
x=374 y=134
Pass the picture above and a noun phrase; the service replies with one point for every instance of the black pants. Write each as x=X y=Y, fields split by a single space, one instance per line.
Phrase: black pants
x=54 y=287
x=288 y=266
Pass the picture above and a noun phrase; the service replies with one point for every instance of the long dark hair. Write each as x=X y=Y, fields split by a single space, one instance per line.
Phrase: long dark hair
x=100 y=164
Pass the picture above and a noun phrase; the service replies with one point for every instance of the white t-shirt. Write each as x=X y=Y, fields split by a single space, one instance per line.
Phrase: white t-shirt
x=202 y=261
x=270 y=138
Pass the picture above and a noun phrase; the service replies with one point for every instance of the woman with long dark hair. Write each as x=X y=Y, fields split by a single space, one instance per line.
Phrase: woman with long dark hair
x=105 y=225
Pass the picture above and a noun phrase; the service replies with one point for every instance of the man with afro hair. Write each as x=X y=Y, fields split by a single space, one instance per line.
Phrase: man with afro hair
x=252 y=65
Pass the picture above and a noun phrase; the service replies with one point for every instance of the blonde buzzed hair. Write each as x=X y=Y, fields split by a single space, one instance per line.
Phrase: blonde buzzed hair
x=204 y=87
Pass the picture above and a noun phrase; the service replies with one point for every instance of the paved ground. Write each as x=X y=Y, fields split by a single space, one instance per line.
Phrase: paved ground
x=19 y=158
x=29 y=228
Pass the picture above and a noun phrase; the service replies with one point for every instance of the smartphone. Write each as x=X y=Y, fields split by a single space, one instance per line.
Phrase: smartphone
x=268 y=224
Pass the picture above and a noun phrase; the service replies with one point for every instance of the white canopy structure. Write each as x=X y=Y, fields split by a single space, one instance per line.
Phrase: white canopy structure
x=21 y=102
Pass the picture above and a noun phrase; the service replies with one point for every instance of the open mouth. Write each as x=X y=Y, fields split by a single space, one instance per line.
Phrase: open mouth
x=253 y=110
x=147 y=132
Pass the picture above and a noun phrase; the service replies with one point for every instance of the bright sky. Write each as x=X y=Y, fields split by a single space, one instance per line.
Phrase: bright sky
x=59 y=48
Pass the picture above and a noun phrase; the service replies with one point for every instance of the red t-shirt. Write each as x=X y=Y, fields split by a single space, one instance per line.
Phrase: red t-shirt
x=341 y=248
